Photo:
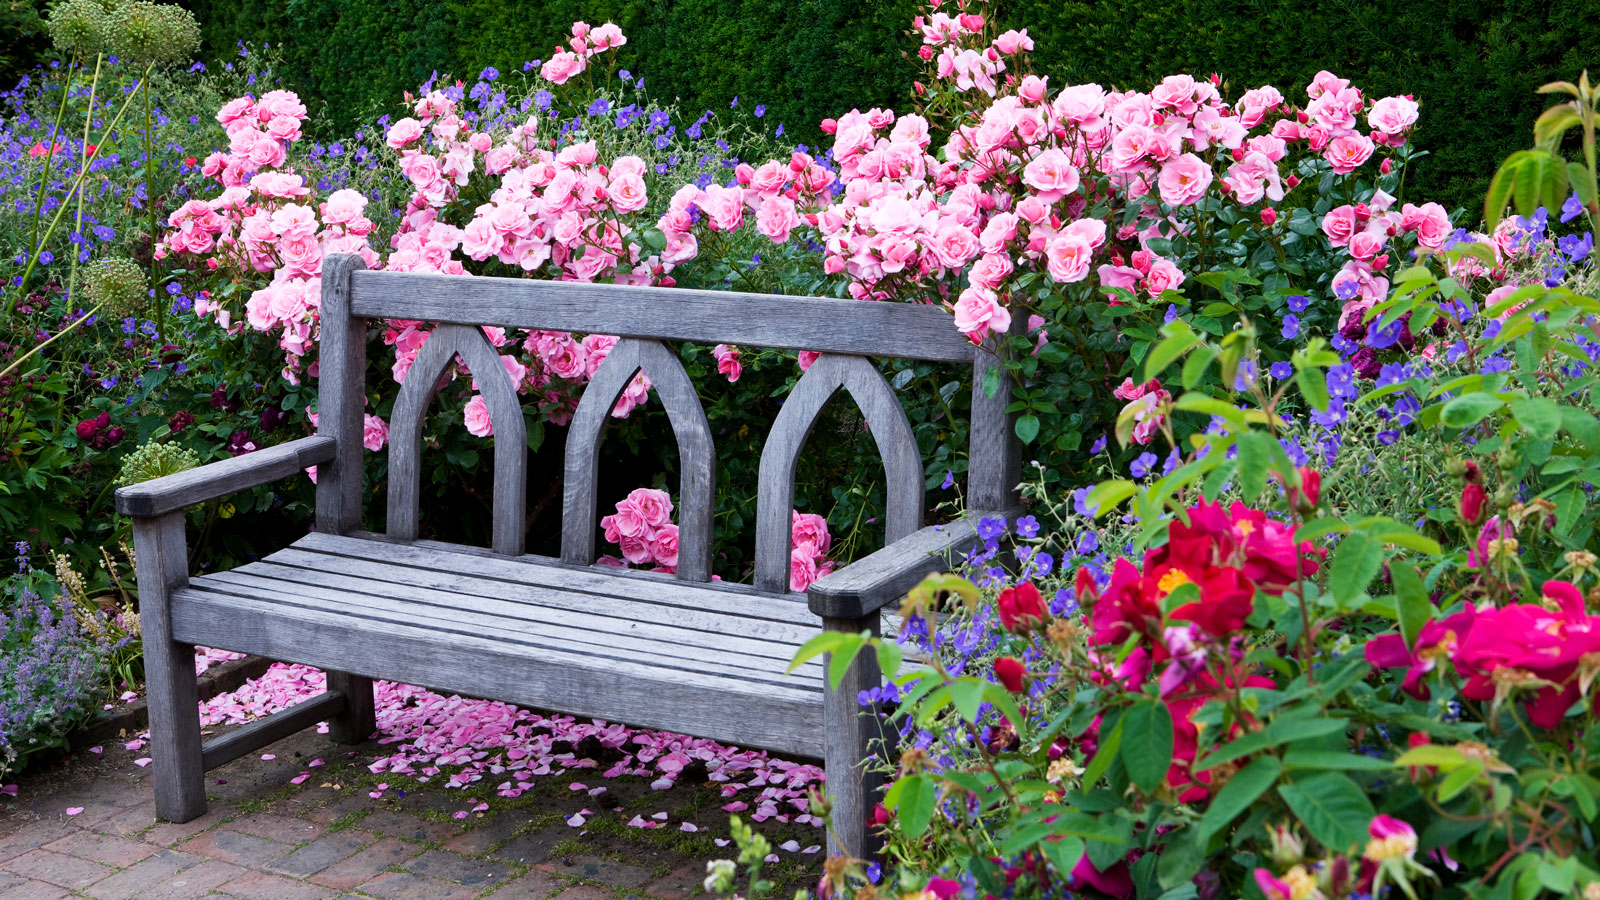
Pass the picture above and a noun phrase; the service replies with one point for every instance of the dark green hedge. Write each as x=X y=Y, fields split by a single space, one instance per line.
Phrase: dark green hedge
x=1474 y=64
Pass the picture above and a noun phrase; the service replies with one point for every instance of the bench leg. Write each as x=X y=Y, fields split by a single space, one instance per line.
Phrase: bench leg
x=851 y=732
x=359 y=719
x=174 y=697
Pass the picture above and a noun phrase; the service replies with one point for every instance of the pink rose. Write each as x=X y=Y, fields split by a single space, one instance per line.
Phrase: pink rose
x=1184 y=180
x=954 y=245
x=1068 y=257
x=627 y=193
x=284 y=128
x=607 y=37
x=374 y=433
x=802 y=569
x=1369 y=242
x=1013 y=42
x=664 y=546
x=280 y=103
x=728 y=362
x=343 y=206
x=1393 y=115
x=560 y=67
x=776 y=218
x=636 y=549
x=810 y=529
x=654 y=506
x=1347 y=152
x=991 y=270
x=977 y=311
x=404 y=132
x=630 y=519
x=724 y=206
x=1002 y=228
x=1339 y=225
x=477 y=417
x=1164 y=275
x=1429 y=221
x=236 y=110
x=1051 y=174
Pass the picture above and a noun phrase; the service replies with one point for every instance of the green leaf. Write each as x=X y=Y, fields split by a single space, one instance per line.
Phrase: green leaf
x=1581 y=425
x=819 y=644
x=1539 y=416
x=1356 y=560
x=1469 y=409
x=1336 y=760
x=1027 y=428
x=1149 y=756
x=1108 y=495
x=1101 y=763
x=1163 y=354
x=917 y=799
x=1411 y=601
x=1253 y=456
x=1181 y=859
x=1312 y=386
x=844 y=656
x=1243 y=789
x=889 y=658
x=967 y=693
x=1332 y=807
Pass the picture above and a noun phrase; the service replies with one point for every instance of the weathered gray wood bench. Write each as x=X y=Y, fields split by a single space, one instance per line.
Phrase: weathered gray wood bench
x=683 y=654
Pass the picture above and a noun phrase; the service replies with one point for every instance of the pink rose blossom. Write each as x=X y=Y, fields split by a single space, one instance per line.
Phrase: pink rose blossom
x=477 y=417
x=1184 y=180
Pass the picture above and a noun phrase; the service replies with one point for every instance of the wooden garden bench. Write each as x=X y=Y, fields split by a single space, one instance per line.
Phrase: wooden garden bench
x=682 y=654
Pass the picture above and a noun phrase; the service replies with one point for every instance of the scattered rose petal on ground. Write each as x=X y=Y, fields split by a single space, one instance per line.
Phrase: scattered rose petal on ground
x=812 y=849
x=791 y=845
x=576 y=820
x=268 y=757
x=74 y=810
x=142 y=761
x=660 y=817
x=10 y=790
x=97 y=750
x=688 y=826
x=720 y=842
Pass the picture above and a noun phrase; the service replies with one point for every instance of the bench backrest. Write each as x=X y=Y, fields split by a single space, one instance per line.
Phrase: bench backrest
x=846 y=332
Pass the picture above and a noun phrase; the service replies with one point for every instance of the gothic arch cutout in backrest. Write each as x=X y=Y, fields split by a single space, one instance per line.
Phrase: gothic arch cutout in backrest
x=696 y=454
x=902 y=463
x=505 y=414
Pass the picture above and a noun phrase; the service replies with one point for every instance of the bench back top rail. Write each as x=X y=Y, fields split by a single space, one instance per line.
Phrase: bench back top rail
x=845 y=332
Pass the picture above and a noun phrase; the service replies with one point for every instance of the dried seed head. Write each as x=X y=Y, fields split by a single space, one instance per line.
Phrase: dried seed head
x=80 y=28
x=158 y=34
x=117 y=283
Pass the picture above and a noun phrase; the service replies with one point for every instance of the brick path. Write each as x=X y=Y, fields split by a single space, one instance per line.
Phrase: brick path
x=265 y=839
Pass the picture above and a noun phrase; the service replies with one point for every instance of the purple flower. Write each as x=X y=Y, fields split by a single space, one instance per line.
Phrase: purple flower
x=1291 y=327
x=949 y=480
x=760 y=110
x=1571 y=209
x=990 y=528
x=1099 y=445
x=1298 y=303
x=1140 y=467
x=489 y=73
x=1281 y=370
x=1028 y=527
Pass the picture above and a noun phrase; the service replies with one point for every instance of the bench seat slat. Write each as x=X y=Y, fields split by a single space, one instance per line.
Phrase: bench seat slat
x=610 y=639
x=723 y=598
x=737 y=710
x=517 y=598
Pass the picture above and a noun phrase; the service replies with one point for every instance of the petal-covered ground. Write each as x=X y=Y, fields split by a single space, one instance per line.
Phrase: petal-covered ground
x=455 y=797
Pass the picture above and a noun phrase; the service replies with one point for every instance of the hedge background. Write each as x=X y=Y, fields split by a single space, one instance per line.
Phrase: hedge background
x=1474 y=64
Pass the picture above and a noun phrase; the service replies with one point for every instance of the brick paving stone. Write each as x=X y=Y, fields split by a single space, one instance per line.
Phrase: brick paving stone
x=237 y=848
x=278 y=828
x=9 y=881
x=532 y=886
x=145 y=875
x=129 y=822
x=168 y=833
x=58 y=868
x=322 y=853
x=117 y=852
x=265 y=886
x=410 y=886
x=33 y=890
x=597 y=869
x=191 y=883
x=335 y=809
x=534 y=848
x=406 y=827
x=366 y=865
x=33 y=837
x=584 y=892
x=486 y=833
x=688 y=880
x=458 y=868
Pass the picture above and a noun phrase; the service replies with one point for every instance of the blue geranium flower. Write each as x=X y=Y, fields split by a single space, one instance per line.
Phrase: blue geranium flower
x=1140 y=467
x=1291 y=327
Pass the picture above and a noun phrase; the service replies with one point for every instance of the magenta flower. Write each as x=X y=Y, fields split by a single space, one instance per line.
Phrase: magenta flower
x=1438 y=639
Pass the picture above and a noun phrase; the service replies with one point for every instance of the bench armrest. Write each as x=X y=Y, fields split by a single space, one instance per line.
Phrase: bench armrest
x=884 y=576
x=183 y=489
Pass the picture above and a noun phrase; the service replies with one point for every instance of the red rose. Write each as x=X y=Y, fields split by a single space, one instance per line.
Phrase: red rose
x=1021 y=607
x=88 y=428
x=1472 y=500
x=1269 y=216
x=1227 y=598
x=1011 y=673
x=1310 y=489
